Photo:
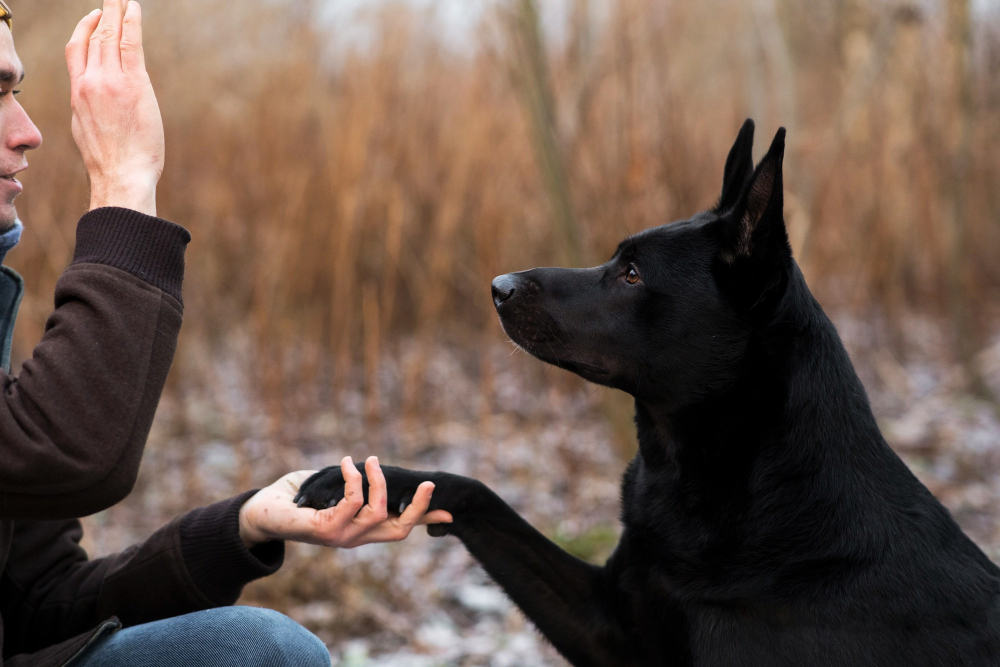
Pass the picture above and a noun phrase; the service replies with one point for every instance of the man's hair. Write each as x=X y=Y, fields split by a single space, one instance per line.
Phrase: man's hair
x=6 y=15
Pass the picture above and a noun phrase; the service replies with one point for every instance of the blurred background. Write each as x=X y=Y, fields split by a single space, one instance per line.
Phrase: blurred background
x=355 y=172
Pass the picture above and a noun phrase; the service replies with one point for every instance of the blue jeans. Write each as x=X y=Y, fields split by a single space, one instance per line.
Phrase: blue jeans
x=223 y=637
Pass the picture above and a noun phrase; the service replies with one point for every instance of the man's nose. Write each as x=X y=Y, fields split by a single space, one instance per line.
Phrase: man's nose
x=21 y=133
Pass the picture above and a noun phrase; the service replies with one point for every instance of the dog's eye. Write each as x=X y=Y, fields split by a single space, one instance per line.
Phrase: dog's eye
x=632 y=277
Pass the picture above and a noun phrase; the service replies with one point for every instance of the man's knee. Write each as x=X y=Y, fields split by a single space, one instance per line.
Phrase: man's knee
x=278 y=640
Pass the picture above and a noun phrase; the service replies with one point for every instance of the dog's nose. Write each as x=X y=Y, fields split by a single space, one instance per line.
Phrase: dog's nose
x=503 y=288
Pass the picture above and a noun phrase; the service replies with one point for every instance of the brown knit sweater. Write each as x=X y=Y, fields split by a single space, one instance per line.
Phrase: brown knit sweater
x=73 y=424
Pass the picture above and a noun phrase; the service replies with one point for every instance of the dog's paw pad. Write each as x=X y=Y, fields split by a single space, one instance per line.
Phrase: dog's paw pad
x=321 y=491
x=437 y=529
x=314 y=502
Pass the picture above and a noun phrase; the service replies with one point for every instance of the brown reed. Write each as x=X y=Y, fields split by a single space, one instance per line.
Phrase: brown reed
x=342 y=193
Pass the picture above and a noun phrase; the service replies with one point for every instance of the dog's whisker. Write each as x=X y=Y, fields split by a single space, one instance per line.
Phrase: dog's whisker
x=553 y=333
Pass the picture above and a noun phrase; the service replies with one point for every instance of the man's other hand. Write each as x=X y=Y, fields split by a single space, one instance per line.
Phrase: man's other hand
x=116 y=120
x=271 y=514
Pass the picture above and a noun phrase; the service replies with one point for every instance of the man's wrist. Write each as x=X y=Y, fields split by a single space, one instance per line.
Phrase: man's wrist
x=218 y=562
x=136 y=193
x=250 y=537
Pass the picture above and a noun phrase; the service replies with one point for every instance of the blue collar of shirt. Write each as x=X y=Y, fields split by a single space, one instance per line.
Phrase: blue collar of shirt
x=9 y=239
x=11 y=290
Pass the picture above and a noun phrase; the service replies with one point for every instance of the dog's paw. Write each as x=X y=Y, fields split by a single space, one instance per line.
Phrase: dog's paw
x=326 y=487
x=438 y=529
x=322 y=490
x=455 y=494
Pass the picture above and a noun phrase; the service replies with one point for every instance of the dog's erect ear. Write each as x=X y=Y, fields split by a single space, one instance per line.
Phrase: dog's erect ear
x=739 y=167
x=754 y=254
x=755 y=226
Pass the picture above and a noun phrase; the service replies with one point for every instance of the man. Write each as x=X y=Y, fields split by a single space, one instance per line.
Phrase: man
x=74 y=421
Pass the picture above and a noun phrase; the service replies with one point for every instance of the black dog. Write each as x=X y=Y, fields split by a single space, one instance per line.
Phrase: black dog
x=766 y=520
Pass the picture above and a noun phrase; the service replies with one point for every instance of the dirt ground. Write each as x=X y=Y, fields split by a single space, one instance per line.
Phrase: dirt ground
x=553 y=447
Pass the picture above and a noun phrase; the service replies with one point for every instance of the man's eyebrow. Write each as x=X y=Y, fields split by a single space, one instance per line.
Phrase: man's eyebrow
x=9 y=75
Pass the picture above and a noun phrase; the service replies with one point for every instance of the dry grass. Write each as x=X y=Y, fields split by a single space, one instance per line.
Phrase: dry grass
x=341 y=193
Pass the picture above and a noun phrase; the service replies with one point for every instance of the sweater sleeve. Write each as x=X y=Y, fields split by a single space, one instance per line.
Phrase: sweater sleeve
x=74 y=421
x=219 y=563
x=50 y=591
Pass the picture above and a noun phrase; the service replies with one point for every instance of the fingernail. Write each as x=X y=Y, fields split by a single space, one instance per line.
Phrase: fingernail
x=96 y=11
x=377 y=464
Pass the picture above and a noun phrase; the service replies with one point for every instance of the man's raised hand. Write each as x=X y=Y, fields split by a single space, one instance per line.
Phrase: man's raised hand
x=116 y=119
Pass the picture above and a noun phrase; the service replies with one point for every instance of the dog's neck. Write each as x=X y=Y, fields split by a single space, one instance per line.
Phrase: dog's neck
x=730 y=425
x=796 y=418
x=796 y=411
x=795 y=378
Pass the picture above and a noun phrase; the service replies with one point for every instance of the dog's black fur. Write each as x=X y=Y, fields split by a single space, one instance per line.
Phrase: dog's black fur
x=766 y=520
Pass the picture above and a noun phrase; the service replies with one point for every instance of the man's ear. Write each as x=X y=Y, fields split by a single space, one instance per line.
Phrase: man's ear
x=739 y=167
x=754 y=229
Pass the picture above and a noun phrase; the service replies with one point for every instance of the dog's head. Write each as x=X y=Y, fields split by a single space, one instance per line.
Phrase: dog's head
x=668 y=318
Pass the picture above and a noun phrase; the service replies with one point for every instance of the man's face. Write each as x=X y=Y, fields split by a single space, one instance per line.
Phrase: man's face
x=17 y=133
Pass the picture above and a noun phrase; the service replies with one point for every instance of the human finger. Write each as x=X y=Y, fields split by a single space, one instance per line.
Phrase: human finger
x=416 y=509
x=76 y=48
x=94 y=45
x=334 y=526
x=109 y=34
x=398 y=528
x=132 y=56
x=377 y=494
x=353 y=498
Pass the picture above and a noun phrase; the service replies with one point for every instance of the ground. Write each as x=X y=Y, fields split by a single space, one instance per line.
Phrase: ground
x=552 y=446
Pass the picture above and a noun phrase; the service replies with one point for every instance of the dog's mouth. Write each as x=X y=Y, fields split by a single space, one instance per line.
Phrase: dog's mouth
x=546 y=341
x=579 y=367
x=550 y=357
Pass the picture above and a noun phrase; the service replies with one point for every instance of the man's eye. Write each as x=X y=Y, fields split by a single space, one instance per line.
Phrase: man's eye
x=632 y=277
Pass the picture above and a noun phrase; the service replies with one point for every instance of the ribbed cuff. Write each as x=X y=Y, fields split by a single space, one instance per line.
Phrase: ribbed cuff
x=149 y=248
x=215 y=556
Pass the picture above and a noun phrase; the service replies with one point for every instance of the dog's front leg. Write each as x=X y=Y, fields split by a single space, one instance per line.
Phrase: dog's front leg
x=570 y=601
